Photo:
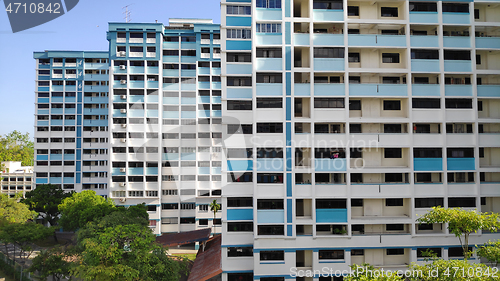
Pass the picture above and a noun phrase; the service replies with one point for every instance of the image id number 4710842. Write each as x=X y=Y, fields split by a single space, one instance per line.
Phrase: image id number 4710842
x=33 y=8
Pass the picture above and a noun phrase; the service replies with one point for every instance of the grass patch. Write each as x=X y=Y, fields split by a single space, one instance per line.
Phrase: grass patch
x=191 y=257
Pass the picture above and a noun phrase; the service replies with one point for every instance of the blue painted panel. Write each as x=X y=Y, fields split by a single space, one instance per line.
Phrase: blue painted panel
x=460 y=164
x=425 y=65
x=330 y=165
x=288 y=83
x=70 y=99
x=269 y=89
x=203 y=113
x=270 y=216
x=170 y=45
x=377 y=40
x=328 y=15
x=288 y=9
x=301 y=39
x=188 y=45
x=423 y=17
x=151 y=113
x=188 y=156
x=42 y=181
x=57 y=99
x=69 y=156
x=43 y=123
x=267 y=14
x=428 y=164
x=43 y=100
x=188 y=114
x=393 y=90
x=42 y=158
x=151 y=171
x=204 y=85
x=426 y=90
x=170 y=114
x=152 y=98
x=216 y=113
x=458 y=65
x=55 y=180
x=321 y=39
x=43 y=78
x=273 y=64
x=234 y=45
x=95 y=111
x=136 y=69
x=188 y=59
x=204 y=70
x=302 y=89
x=152 y=70
x=288 y=158
x=216 y=85
x=289 y=210
x=288 y=33
x=216 y=170
x=271 y=164
x=288 y=109
x=216 y=71
x=268 y=39
x=116 y=172
x=238 y=21
x=289 y=232
x=170 y=156
x=56 y=122
x=171 y=86
x=424 y=41
x=328 y=64
x=288 y=133
x=152 y=84
x=239 y=214
x=188 y=100
x=95 y=88
x=188 y=73
x=136 y=84
x=68 y=180
x=237 y=93
x=56 y=110
x=461 y=18
x=135 y=171
x=69 y=111
x=488 y=90
x=216 y=99
x=240 y=165
x=43 y=89
x=458 y=90
x=288 y=58
x=331 y=215
x=188 y=87
x=240 y=68
x=322 y=89
x=136 y=113
x=289 y=185
x=456 y=41
x=95 y=99
x=203 y=99
x=488 y=42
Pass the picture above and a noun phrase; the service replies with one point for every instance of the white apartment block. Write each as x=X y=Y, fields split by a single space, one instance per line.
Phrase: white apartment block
x=16 y=178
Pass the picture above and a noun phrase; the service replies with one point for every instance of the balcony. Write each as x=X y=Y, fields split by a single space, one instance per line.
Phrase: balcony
x=269 y=89
x=428 y=164
x=430 y=41
x=328 y=15
x=301 y=39
x=270 y=216
x=272 y=64
x=458 y=90
x=302 y=89
x=331 y=215
x=329 y=64
x=461 y=164
x=423 y=17
x=263 y=39
x=424 y=65
x=268 y=14
x=239 y=214
x=325 y=39
x=488 y=90
x=456 y=18
x=376 y=40
x=330 y=165
x=456 y=41
x=333 y=89
x=426 y=90
x=392 y=90
x=488 y=42
x=457 y=66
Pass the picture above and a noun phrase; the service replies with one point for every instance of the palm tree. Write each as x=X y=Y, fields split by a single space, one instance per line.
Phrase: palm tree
x=214 y=207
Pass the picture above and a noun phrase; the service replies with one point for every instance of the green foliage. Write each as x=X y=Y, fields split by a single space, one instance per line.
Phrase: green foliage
x=462 y=222
x=51 y=263
x=81 y=208
x=17 y=147
x=11 y=211
x=366 y=272
x=452 y=270
x=45 y=200
x=214 y=207
x=24 y=234
x=490 y=251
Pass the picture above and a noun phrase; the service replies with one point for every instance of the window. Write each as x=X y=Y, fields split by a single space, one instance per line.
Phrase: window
x=423 y=7
x=239 y=202
x=239 y=33
x=391 y=80
x=238 y=10
x=426 y=103
x=460 y=152
x=188 y=53
x=356 y=202
x=239 y=57
x=276 y=128
x=427 y=153
x=331 y=254
x=354 y=57
x=328 y=4
x=269 y=178
x=239 y=153
x=456 y=55
x=353 y=11
x=420 y=80
x=428 y=202
x=136 y=193
x=272 y=255
x=392 y=105
x=240 y=226
x=394 y=227
x=239 y=105
x=189 y=220
x=270 y=204
x=329 y=52
x=394 y=202
x=455 y=8
x=239 y=81
x=354 y=105
x=425 y=54
x=169 y=192
x=270 y=230
x=269 y=103
x=462 y=202
x=269 y=4
x=390 y=57
x=269 y=53
x=269 y=153
x=393 y=177
x=240 y=252
x=240 y=177
x=458 y=128
x=458 y=103
x=269 y=78
x=395 y=252
x=391 y=12
x=331 y=204
x=393 y=152
x=392 y=128
x=268 y=28
x=329 y=103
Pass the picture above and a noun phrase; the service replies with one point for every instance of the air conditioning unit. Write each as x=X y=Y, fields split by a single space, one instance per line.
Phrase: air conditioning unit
x=122 y=53
x=123 y=140
x=124 y=125
x=123 y=66
x=123 y=170
x=123 y=110
x=123 y=199
x=123 y=82
x=123 y=97
x=122 y=184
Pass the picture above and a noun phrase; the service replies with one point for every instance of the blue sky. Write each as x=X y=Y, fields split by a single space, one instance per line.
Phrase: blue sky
x=83 y=28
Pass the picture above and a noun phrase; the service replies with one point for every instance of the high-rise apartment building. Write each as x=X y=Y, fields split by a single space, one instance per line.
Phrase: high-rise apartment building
x=356 y=118
x=71 y=120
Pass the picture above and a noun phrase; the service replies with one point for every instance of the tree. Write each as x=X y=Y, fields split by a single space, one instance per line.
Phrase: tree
x=53 y=263
x=214 y=207
x=11 y=211
x=45 y=200
x=490 y=251
x=17 y=147
x=83 y=207
x=462 y=222
x=451 y=270
x=367 y=272
x=23 y=235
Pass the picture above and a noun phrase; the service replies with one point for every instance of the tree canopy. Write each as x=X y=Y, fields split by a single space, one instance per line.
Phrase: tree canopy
x=490 y=251
x=83 y=207
x=45 y=200
x=11 y=211
x=16 y=146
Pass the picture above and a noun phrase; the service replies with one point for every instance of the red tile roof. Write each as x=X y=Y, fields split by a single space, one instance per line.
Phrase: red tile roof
x=208 y=262
x=177 y=239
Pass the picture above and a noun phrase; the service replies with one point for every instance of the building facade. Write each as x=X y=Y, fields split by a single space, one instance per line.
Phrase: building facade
x=16 y=178
x=355 y=117
x=71 y=120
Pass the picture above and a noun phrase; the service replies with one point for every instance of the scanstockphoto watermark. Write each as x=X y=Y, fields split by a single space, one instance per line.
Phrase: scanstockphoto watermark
x=358 y=271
